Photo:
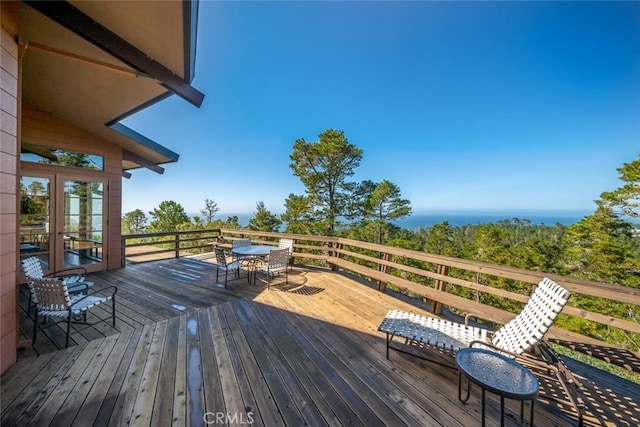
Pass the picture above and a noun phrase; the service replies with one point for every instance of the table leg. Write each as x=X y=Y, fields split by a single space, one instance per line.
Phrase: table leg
x=531 y=415
x=460 y=387
x=483 y=423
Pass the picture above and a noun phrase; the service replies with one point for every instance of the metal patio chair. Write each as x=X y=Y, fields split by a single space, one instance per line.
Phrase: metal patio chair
x=277 y=263
x=51 y=299
x=74 y=278
x=224 y=265
x=521 y=339
x=236 y=243
x=285 y=243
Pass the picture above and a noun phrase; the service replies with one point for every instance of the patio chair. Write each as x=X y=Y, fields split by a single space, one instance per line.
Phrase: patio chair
x=277 y=263
x=52 y=300
x=521 y=339
x=224 y=265
x=32 y=269
x=287 y=244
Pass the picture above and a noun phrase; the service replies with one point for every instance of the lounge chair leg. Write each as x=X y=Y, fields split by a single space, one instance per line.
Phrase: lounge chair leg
x=68 y=331
x=113 y=311
x=35 y=328
x=389 y=338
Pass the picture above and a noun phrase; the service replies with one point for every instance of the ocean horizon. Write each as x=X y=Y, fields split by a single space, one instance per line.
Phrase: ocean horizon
x=460 y=218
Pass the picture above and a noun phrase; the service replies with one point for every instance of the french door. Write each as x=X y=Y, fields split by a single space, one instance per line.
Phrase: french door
x=63 y=220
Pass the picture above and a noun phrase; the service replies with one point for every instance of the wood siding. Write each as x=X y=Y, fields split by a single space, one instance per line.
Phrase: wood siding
x=9 y=96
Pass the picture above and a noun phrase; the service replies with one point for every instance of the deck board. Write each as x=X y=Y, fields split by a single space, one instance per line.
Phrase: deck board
x=185 y=347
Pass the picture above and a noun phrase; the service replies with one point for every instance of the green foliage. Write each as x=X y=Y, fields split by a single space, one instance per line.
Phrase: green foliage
x=34 y=203
x=599 y=248
x=209 y=211
x=264 y=220
x=169 y=216
x=383 y=205
x=230 y=223
x=323 y=167
x=625 y=200
x=134 y=222
x=298 y=215
x=440 y=240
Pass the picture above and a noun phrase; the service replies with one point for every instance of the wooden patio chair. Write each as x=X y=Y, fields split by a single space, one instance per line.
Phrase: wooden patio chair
x=224 y=265
x=74 y=278
x=521 y=339
x=52 y=300
x=277 y=263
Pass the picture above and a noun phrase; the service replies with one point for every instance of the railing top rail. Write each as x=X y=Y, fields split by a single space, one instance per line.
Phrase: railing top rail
x=169 y=233
x=588 y=287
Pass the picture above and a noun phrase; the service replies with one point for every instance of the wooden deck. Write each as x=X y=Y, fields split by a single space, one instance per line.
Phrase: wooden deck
x=186 y=350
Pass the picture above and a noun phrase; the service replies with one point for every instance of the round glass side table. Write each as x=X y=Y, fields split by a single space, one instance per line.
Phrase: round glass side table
x=498 y=374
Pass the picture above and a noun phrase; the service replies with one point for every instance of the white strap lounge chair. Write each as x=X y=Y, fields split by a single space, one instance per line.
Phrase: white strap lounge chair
x=521 y=338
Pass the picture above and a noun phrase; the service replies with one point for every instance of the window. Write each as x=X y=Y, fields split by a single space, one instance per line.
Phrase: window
x=54 y=156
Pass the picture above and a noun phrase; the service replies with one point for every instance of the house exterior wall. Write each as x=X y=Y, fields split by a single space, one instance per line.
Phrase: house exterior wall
x=9 y=172
x=24 y=122
x=41 y=128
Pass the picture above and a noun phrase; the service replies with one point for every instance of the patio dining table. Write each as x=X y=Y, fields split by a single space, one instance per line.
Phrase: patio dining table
x=253 y=253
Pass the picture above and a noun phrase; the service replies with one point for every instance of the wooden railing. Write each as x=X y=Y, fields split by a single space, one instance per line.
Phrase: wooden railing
x=461 y=285
x=173 y=244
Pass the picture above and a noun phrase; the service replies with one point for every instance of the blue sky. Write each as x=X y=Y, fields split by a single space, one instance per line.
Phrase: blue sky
x=464 y=105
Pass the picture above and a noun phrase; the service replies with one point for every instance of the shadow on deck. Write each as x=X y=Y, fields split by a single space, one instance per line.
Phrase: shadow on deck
x=188 y=351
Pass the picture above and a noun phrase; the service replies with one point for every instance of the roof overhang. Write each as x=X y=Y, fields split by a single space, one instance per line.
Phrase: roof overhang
x=95 y=63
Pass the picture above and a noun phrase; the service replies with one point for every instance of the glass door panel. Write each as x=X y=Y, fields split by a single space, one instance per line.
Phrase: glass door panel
x=36 y=219
x=83 y=222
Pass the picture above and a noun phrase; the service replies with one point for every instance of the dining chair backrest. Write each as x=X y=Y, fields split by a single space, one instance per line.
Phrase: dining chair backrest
x=50 y=294
x=525 y=330
x=286 y=243
x=221 y=256
x=32 y=268
x=278 y=260
x=236 y=243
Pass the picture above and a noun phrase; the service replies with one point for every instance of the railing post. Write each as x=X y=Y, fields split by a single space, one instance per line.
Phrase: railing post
x=436 y=307
x=382 y=286
x=123 y=252
x=336 y=254
x=177 y=245
x=292 y=259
